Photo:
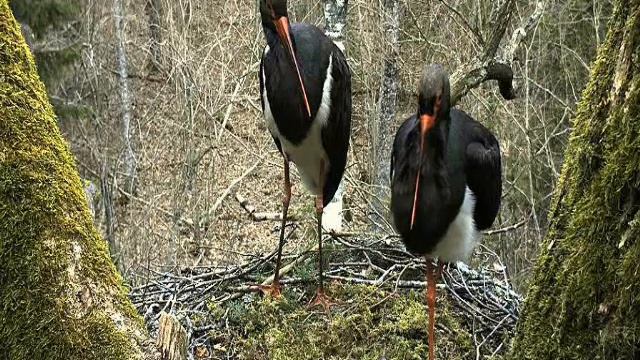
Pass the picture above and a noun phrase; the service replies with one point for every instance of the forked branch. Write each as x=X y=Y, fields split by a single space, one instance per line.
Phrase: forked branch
x=494 y=64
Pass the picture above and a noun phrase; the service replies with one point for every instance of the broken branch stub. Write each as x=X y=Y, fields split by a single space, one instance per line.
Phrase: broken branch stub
x=172 y=338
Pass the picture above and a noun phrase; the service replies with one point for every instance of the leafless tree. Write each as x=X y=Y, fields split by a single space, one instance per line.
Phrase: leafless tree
x=125 y=99
x=381 y=132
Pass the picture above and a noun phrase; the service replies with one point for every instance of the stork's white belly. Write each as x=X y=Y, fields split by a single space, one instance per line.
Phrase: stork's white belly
x=461 y=237
x=309 y=154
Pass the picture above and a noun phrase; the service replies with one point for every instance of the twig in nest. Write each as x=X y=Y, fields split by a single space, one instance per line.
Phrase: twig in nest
x=268 y=281
x=506 y=229
x=260 y=216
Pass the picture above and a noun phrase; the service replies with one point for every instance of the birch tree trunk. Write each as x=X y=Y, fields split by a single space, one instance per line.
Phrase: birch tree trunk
x=60 y=295
x=381 y=134
x=335 y=14
x=583 y=302
x=125 y=98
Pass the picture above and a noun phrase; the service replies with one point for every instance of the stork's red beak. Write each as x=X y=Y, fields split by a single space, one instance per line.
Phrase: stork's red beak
x=282 y=26
x=426 y=123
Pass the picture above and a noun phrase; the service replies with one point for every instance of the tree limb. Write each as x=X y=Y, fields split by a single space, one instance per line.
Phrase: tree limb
x=491 y=65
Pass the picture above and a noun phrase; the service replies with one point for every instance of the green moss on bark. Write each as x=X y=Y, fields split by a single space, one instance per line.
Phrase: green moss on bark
x=584 y=301
x=60 y=295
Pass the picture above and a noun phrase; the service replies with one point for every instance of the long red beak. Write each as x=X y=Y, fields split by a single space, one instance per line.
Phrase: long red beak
x=426 y=123
x=282 y=26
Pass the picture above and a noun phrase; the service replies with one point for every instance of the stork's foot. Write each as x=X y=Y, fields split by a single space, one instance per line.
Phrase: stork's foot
x=273 y=291
x=321 y=299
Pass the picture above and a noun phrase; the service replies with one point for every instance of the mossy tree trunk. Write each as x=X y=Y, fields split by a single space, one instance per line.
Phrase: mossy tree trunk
x=60 y=295
x=584 y=299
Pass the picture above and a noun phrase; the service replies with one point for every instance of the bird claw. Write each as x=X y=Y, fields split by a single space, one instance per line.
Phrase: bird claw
x=321 y=299
x=273 y=291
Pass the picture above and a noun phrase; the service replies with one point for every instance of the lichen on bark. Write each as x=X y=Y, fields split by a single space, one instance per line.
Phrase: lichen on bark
x=584 y=301
x=60 y=295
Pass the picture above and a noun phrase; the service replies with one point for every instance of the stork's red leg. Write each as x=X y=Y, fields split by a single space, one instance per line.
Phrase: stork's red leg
x=321 y=298
x=431 y=302
x=274 y=289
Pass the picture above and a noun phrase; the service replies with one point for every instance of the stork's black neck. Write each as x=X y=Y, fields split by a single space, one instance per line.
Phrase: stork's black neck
x=436 y=139
x=270 y=34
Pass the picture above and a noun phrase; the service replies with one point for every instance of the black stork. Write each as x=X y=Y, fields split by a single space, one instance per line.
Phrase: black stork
x=445 y=180
x=305 y=88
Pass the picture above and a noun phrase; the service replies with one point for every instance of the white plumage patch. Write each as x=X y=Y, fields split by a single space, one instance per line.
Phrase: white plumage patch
x=461 y=237
x=332 y=218
x=308 y=154
x=325 y=104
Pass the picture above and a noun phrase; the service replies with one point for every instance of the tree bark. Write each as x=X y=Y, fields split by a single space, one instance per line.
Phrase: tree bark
x=60 y=295
x=335 y=15
x=583 y=301
x=125 y=98
x=382 y=137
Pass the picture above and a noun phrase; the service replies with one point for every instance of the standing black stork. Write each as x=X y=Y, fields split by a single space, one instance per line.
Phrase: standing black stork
x=305 y=87
x=445 y=179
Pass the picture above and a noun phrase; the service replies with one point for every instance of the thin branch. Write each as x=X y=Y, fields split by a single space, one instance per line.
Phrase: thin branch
x=472 y=29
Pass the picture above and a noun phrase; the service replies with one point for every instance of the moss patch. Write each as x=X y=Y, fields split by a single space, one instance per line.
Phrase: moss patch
x=584 y=300
x=60 y=296
x=368 y=323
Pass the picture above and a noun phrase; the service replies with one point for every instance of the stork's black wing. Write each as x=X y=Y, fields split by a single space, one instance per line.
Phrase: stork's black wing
x=262 y=89
x=484 y=174
x=335 y=135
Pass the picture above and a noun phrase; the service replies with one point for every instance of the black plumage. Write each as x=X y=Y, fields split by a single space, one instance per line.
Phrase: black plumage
x=446 y=181
x=459 y=152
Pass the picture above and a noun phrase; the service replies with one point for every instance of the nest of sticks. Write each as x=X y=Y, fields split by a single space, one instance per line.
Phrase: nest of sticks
x=483 y=298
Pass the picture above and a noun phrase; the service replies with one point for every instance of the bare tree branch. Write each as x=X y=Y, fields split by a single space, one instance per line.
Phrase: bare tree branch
x=497 y=33
x=492 y=65
x=472 y=29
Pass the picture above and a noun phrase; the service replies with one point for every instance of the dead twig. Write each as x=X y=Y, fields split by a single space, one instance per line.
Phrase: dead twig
x=260 y=216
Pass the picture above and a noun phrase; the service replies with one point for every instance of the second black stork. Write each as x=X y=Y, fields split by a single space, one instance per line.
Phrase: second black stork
x=446 y=181
x=305 y=88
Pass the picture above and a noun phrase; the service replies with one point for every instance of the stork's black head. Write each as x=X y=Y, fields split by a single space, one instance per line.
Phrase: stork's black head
x=433 y=106
x=272 y=10
x=275 y=18
x=433 y=97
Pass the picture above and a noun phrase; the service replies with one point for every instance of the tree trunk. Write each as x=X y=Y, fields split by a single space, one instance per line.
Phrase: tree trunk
x=335 y=14
x=382 y=137
x=60 y=295
x=583 y=302
x=125 y=98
